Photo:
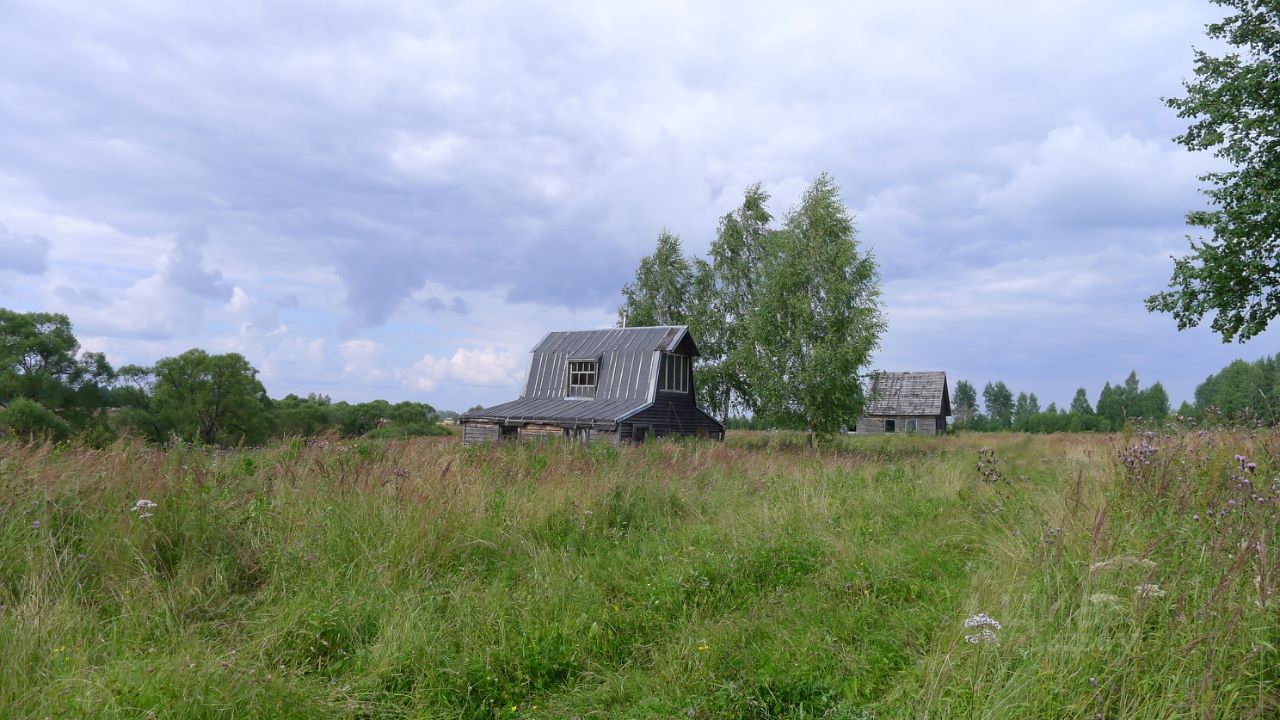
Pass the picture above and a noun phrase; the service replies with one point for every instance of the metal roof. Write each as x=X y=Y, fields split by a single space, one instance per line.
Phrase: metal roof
x=583 y=411
x=588 y=343
x=626 y=376
x=908 y=393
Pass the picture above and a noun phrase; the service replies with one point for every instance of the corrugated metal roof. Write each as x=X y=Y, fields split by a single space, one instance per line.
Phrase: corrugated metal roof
x=560 y=410
x=626 y=375
x=589 y=343
x=908 y=393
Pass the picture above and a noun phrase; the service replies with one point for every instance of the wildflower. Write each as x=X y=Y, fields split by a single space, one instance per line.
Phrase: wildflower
x=986 y=626
x=980 y=620
x=1103 y=598
x=145 y=507
x=35 y=524
x=984 y=636
x=1148 y=590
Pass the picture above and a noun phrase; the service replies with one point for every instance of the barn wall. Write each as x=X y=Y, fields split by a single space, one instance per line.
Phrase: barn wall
x=672 y=414
x=533 y=431
x=925 y=424
x=478 y=433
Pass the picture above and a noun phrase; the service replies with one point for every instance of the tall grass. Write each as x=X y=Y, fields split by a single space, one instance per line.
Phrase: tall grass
x=750 y=579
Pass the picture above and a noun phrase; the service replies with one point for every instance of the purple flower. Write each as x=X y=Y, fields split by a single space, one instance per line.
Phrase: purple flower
x=35 y=524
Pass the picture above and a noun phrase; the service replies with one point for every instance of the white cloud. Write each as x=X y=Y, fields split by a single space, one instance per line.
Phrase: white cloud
x=169 y=302
x=363 y=357
x=488 y=367
x=1081 y=176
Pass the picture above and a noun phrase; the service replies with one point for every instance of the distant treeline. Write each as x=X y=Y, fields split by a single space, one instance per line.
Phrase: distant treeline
x=49 y=388
x=1242 y=393
x=1117 y=405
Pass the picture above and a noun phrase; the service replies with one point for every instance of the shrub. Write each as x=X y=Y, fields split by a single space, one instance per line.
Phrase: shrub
x=30 y=420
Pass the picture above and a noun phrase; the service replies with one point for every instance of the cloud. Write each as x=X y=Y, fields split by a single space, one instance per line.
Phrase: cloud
x=488 y=367
x=363 y=358
x=435 y=304
x=1081 y=177
x=22 y=253
x=445 y=176
x=168 y=303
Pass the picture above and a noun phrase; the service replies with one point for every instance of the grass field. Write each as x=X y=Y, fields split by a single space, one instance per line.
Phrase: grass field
x=1131 y=577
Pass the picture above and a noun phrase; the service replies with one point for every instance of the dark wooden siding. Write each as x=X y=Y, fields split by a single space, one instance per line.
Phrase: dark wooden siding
x=672 y=414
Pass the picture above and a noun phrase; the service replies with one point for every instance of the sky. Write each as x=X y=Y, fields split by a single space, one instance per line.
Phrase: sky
x=398 y=200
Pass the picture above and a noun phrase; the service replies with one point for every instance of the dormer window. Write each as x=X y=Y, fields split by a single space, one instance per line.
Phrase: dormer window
x=582 y=378
x=675 y=373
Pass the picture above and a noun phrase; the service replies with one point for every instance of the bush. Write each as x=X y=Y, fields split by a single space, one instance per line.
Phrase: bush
x=409 y=430
x=29 y=419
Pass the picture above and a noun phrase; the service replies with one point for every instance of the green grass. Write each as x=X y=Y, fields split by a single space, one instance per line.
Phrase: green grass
x=754 y=579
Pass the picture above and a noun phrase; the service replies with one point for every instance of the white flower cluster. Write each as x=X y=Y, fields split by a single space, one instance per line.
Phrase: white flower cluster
x=981 y=620
x=986 y=626
x=143 y=508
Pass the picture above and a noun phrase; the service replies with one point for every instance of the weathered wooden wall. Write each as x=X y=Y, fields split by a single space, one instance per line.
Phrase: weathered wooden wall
x=477 y=433
x=925 y=424
x=672 y=414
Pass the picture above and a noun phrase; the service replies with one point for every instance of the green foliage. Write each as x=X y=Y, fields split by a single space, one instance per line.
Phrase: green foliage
x=1234 y=110
x=411 y=429
x=816 y=317
x=725 y=291
x=964 y=403
x=303 y=417
x=660 y=293
x=40 y=360
x=1242 y=392
x=29 y=420
x=211 y=399
x=1080 y=403
x=1119 y=404
x=785 y=318
x=998 y=400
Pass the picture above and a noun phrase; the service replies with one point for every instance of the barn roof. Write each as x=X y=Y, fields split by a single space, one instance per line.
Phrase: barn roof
x=587 y=343
x=626 y=382
x=576 y=410
x=908 y=393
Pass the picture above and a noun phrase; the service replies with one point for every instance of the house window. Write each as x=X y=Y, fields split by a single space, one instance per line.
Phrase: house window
x=911 y=426
x=582 y=378
x=890 y=426
x=675 y=373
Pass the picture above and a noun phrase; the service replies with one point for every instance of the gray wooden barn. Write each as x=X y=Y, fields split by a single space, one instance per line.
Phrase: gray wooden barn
x=913 y=402
x=620 y=384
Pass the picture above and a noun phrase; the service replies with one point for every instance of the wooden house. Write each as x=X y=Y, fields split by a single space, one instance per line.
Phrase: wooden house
x=620 y=384
x=911 y=402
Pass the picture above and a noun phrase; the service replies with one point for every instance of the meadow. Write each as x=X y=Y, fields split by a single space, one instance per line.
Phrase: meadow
x=993 y=576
